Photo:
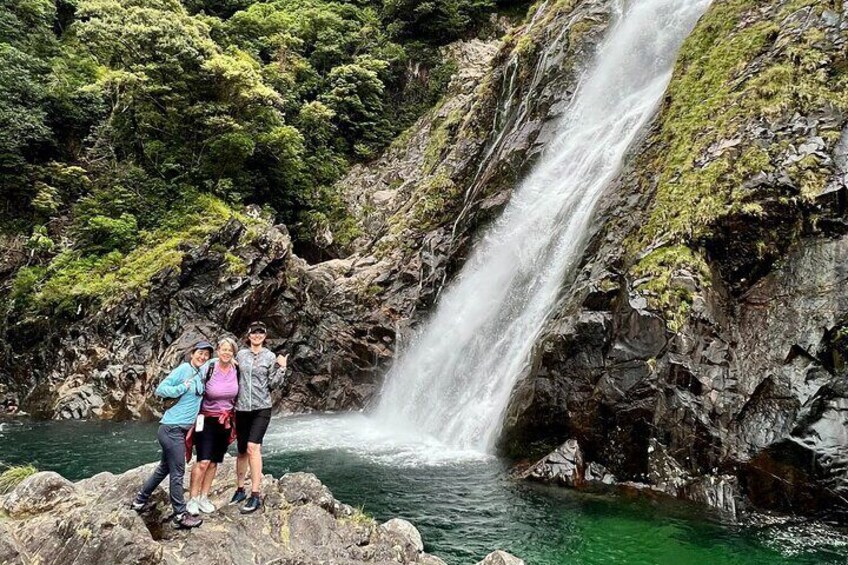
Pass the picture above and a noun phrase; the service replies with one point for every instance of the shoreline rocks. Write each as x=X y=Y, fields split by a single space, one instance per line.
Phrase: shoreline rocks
x=48 y=519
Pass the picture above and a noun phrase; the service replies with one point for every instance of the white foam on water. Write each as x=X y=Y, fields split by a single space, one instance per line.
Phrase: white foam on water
x=364 y=437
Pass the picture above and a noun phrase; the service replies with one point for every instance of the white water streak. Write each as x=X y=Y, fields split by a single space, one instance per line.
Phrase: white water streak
x=455 y=379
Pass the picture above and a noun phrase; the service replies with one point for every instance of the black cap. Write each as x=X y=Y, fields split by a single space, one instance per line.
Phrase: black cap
x=203 y=345
x=257 y=327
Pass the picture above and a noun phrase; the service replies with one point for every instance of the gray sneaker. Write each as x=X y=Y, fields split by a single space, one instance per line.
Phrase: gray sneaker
x=205 y=505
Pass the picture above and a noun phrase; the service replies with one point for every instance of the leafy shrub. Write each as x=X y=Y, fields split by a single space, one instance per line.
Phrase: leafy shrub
x=102 y=234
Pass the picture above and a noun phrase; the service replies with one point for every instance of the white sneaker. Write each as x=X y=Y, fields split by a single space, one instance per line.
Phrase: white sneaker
x=193 y=507
x=205 y=505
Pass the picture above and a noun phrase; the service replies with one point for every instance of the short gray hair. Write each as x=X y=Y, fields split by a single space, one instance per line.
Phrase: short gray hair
x=228 y=341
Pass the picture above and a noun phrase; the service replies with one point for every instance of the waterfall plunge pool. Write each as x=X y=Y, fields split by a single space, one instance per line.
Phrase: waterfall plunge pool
x=463 y=502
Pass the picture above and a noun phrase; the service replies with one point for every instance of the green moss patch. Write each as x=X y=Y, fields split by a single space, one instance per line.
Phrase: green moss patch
x=72 y=279
x=663 y=277
x=746 y=64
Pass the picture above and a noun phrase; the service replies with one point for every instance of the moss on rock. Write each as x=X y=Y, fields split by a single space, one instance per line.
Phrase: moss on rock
x=72 y=279
x=749 y=68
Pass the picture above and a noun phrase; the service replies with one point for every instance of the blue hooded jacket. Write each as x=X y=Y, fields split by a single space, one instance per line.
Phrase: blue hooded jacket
x=185 y=411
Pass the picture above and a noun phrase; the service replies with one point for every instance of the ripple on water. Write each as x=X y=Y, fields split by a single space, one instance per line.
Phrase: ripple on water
x=463 y=502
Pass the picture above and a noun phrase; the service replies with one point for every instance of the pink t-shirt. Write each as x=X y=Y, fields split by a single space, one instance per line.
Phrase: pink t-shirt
x=221 y=390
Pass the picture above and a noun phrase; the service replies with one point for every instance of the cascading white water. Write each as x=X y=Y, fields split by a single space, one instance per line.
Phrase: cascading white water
x=455 y=379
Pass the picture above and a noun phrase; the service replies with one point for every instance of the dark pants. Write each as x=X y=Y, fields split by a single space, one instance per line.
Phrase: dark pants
x=251 y=426
x=172 y=440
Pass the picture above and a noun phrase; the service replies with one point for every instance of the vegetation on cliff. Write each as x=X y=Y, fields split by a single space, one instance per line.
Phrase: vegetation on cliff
x=727 y=157
x=128 y=129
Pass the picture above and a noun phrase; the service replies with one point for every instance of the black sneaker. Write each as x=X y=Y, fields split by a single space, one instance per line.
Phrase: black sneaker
x=254 y=503
x=238 y=496
x=186 y=521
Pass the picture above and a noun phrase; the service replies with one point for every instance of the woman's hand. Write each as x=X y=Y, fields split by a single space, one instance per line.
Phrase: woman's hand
x=282 y=361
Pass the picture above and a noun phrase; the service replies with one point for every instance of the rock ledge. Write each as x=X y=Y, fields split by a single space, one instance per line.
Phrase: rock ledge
x=47 y=519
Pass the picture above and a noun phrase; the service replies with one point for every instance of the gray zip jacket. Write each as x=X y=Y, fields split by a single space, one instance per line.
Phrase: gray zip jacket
x=258 y=373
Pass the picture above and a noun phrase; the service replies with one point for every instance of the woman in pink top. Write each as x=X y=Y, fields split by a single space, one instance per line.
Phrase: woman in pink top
x=218 y=425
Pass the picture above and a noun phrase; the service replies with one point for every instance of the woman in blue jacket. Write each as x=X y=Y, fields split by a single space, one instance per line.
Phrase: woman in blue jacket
x=186 y=384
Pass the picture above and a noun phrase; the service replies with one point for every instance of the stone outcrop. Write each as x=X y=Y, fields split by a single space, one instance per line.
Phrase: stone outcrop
x=565 y=466
x=51 y=520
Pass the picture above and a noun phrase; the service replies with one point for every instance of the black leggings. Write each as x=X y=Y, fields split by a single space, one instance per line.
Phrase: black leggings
x=251 y=427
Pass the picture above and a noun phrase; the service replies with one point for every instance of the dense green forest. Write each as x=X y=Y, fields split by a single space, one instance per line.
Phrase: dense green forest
x=129 y=128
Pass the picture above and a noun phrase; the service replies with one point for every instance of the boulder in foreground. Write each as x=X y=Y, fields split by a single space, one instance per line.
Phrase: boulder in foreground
x=49 y=520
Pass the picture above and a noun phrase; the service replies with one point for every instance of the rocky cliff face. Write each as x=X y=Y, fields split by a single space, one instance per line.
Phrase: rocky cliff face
x=48 y=519
x=107 y=365
x=701 y=350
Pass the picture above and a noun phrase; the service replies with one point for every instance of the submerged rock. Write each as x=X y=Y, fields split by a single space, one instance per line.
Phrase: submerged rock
x=501 y=558
x=300 y=523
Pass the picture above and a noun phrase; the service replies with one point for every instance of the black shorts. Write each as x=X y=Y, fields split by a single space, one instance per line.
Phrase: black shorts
x=211 y=444
x=251 y=427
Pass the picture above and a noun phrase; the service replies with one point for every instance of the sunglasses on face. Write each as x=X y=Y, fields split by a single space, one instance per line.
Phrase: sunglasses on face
x=259 y=332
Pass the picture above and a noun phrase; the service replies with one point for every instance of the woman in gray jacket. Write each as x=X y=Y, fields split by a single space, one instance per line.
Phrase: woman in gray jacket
x=259 y=371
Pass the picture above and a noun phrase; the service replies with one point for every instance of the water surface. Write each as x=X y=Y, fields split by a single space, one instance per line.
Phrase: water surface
x=463 y=502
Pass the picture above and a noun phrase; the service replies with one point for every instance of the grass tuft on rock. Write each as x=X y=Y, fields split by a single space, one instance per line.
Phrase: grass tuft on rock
x=358 y=518
x=13 y=475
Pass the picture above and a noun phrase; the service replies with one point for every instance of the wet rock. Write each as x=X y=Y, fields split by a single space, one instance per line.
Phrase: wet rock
x=563 y=466
x=598 y=474
x=665 y=473
x=566 y=466
x=719 y=492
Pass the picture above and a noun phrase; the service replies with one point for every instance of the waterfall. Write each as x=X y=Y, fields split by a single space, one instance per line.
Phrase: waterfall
x=455 y=379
